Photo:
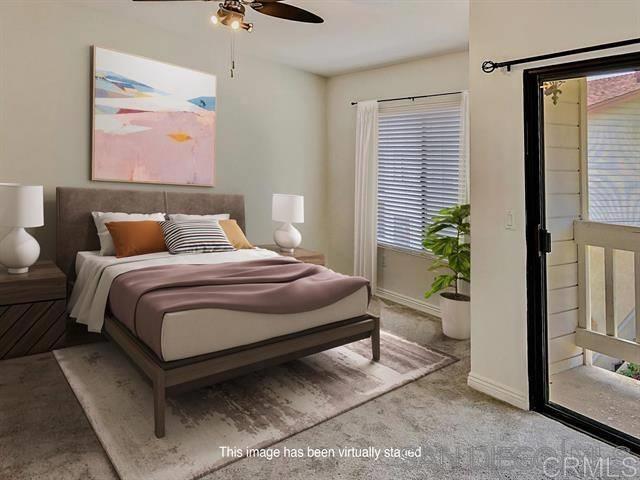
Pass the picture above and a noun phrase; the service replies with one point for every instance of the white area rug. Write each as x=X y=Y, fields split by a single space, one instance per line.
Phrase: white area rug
x=256 y=410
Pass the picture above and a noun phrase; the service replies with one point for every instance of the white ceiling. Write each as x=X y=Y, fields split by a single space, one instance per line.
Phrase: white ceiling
x=357 y=34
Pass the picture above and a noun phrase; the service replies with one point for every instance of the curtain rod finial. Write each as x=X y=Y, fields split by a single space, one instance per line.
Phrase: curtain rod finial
x=489 y=66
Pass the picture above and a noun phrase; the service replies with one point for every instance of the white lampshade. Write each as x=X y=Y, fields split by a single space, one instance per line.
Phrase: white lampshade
x=21 y=205
x=288 y=208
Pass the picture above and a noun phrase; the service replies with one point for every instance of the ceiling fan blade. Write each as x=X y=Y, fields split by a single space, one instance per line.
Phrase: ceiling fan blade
x=286 y=11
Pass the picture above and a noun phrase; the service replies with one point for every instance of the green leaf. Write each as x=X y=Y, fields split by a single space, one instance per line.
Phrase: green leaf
x=451 y=252
x=437 y=265
x=441 y=282
x=441 y=246
x=437 y=227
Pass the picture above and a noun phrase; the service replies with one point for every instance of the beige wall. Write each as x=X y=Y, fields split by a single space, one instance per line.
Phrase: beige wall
x=271 y=131
x=400 y=273
x=502 y=30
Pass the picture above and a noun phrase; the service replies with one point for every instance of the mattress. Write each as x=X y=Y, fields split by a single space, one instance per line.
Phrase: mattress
x=196 y=332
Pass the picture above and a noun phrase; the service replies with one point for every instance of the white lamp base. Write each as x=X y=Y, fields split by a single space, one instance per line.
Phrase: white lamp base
x=287 y=237
x=18 y=251
x=17 y=271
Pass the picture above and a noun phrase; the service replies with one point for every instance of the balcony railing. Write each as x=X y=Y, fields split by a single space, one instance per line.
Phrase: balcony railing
x=610 y=238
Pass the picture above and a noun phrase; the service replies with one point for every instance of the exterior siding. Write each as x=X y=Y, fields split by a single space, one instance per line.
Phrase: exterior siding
x=564 y=205
x=614 y=161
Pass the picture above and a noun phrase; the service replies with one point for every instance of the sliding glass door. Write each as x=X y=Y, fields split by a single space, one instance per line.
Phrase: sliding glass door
x=582 y=124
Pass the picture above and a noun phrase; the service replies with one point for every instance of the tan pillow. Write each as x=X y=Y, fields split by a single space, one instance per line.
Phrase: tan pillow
x=234 y=234
x=136 y=238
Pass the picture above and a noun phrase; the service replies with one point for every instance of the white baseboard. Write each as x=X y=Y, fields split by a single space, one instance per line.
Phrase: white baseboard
x=497 y=390
x=408 y=302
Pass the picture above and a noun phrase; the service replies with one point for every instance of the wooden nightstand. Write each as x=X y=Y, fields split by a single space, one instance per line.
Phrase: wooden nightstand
x=32 y=310
x=302 y=254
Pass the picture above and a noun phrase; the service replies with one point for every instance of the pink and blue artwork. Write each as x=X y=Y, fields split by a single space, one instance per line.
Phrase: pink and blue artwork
x=152 y=122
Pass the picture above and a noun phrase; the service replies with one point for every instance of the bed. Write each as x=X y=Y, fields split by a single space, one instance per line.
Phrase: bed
x=197 y=347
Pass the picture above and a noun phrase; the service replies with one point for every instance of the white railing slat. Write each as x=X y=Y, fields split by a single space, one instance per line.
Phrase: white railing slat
x=609 y=293
x=597 y=234
x=614 y=347
x=636 y=275
x=584 y=301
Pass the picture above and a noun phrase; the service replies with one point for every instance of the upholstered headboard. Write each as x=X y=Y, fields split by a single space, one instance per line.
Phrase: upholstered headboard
x=77 y=232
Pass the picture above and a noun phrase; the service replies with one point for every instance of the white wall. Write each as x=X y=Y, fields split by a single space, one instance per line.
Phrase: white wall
x=501 y=30
x=399 y=272
x=271 y=123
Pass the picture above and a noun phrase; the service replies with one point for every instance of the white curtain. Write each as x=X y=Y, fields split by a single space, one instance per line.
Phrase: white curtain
x=464 y=169
x=464 y=148
x=366 y=188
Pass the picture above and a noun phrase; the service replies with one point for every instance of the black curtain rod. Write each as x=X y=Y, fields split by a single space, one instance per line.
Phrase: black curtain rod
x=489 y=66
x=412 y=98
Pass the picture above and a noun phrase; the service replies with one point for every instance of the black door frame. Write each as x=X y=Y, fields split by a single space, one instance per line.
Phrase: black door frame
x=535 y=236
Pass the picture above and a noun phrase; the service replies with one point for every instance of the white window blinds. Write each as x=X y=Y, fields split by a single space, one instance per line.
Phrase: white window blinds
x=421 y=166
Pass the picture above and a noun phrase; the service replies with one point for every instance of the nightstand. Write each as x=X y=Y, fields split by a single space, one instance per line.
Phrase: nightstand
x=32 y=310
x=302 y=254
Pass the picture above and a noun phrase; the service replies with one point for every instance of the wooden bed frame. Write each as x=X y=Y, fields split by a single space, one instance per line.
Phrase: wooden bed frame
x=195 y=372
x=76 y=232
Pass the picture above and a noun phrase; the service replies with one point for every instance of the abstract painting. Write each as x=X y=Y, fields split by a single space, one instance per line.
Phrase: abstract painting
x=152 y=122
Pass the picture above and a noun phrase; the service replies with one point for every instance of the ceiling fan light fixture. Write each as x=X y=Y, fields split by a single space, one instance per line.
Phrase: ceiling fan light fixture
x=229 y=18
x=231 y=13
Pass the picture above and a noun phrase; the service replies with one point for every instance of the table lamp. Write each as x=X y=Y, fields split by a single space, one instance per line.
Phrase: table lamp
x=287 y=209
x=20 y=208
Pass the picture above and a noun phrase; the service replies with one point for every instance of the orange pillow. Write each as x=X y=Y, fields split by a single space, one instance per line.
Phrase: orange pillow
x=136 y=238
x=234 y=234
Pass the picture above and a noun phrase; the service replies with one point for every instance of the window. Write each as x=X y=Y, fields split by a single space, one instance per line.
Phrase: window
x=421 y=167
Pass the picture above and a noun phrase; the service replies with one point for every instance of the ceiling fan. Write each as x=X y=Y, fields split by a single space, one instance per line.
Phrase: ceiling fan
x=231 y=12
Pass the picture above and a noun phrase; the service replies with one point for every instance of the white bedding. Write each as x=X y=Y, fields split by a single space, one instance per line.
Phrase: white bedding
x=82 y=256
x=96 y=274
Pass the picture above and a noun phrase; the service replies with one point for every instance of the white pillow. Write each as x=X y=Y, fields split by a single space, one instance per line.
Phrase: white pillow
x=101 y=218
x=182 y=216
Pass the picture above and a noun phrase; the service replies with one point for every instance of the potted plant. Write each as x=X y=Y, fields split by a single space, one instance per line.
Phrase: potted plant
x=447 y=238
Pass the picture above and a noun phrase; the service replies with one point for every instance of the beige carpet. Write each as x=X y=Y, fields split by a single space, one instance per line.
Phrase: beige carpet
x=256 y=410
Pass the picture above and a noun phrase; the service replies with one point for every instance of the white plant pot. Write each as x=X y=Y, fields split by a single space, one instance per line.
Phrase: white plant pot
x=456 y=315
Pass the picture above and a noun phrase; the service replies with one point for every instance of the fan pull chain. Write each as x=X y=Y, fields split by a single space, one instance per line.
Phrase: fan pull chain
x=233 y=54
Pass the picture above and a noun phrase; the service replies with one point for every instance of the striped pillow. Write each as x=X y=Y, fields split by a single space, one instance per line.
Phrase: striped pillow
x=195 y=236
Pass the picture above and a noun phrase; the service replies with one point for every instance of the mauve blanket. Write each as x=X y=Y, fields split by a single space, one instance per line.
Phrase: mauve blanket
x=282 y=285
